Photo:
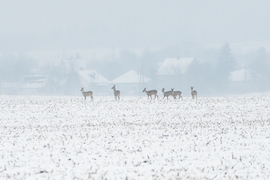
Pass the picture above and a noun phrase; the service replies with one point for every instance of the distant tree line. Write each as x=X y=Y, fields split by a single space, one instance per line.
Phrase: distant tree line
x=12 y=67
x=214 y=66
x=211 y=75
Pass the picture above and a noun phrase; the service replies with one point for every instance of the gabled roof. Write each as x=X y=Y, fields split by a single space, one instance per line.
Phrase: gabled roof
x=92 y=76
x=242 y=75
x=33 y=81
x=174 y=66
x=131 y=77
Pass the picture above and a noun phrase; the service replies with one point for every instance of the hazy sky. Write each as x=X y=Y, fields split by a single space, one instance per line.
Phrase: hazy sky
x=65 y=24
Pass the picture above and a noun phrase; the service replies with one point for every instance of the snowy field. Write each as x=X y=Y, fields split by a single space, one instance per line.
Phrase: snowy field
x=60 y=137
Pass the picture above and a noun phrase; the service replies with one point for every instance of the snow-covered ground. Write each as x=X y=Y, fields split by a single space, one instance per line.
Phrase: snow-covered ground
x=58 y=137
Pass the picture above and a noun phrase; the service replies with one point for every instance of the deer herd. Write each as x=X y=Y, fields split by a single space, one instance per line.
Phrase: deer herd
x=149 y=93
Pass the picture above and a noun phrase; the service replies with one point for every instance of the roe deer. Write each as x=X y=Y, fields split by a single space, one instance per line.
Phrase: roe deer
x=88 y=93
x=177 y=93
x=193 y=93
x=150 y=93
x=116 y=93
x=167 y=93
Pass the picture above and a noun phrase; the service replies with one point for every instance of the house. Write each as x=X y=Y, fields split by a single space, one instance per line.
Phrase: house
x=35 y=84
x=243 y=80
x=92 y=80
x=177 y=73
x=132 y=83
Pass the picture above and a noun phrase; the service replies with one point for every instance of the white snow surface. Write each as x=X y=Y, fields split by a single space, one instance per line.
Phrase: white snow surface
x=61 y=137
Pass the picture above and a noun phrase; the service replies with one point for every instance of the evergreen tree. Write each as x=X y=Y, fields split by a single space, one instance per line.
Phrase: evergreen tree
x=226 y=62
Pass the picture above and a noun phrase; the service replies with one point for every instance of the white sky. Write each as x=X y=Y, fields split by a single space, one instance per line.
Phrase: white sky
x=66 y=24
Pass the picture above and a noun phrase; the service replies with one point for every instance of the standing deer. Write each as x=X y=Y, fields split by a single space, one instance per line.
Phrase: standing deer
x=193 y=93
x=150 y=93
x=167 y=93
x=116 y=93
x=88 y=93
x=177 y=93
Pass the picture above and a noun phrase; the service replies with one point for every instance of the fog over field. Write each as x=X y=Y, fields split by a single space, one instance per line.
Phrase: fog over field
x=32 y=25
x=52 y=53
x=229 y=42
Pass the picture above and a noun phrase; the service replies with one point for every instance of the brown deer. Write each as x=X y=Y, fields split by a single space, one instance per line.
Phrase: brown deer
x=116 y=93
x=88 y=93
x=150 y=93
x=167 y=93
x=177 y=93
x=193 y=92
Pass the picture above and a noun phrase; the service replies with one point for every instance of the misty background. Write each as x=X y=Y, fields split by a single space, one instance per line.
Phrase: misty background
x=52 y=42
